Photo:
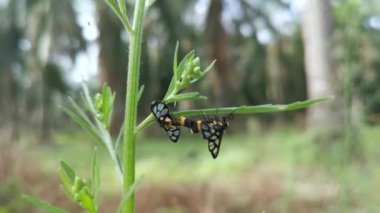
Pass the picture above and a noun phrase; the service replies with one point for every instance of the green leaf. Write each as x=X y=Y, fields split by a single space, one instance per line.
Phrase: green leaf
x=178 y=72
x=84 y=124
x=66 y=190
x=190 y=96
x=107 y=104
x=95 y=176
x=205 y=72
x=141 y=90
x=254 y=109
x=129 y=193
x=68 y=171
x=66 y=183
x=86 y=201
x=123 y=7
x=122 y=14
x=87 y=100
x=80 y=112
x=113 y=5
x=175 y=63
x=185 y=62
x=171 y=88
x=149 y=3
x=41 y=204
x=238 y=110
x=119 y=137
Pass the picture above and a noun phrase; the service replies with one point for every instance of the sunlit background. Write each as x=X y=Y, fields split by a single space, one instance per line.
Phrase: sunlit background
x=324 y=159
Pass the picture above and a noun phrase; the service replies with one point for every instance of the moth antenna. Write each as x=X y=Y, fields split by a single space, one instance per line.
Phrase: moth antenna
x=204 y=115
x=231 y=116
x=215 y=115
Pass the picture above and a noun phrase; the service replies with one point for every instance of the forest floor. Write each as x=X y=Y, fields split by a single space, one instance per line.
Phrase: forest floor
x=277 y=171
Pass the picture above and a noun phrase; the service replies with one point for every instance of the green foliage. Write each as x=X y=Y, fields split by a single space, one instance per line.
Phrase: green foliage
x=119 y=7
x=95 y=116
x=185 y=74
x=285 y=157
x=43 y=205
x=95 y=175
x=103 y=104
x=97 y=124
x=266 y=108
x=78 y=189
x=357 y=53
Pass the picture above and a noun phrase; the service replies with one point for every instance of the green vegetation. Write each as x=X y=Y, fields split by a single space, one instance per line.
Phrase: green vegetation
x=263 y=55
x=291 y=158
x=100 y=108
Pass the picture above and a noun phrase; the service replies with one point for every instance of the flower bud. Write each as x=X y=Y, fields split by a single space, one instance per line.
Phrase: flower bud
x=98 y=102
x=196 y=62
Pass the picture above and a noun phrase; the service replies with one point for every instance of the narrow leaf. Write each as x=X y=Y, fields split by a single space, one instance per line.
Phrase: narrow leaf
x=149 y=3
x=85 y=125
x=182 y=65
x=79 y=110
x=68 y=171
x=113 y=5
x=254 y=109
x=178 y=72
x=88 y=100
x=66 y=183
x=175 y=63
x=67 y=192
x=238 y=110
x=123 y=7
x=87 y=202
x=41 y=204
x=170 y=88
x=119 y=136
x=205 y=72
x=141 y=90
x=95 y=176
x=123 y=16
x=106 y=105
x=190 y=96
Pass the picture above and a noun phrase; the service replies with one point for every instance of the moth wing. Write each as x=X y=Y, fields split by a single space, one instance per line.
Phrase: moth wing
x=214 y=143
x=159 y=110
x=173 y=132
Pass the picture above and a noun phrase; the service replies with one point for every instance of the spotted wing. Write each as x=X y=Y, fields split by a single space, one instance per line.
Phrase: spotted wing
x=160 y=111
x=173 y=132
x=214 y=135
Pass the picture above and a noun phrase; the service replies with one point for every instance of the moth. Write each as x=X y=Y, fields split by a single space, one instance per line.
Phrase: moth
x=165 y=120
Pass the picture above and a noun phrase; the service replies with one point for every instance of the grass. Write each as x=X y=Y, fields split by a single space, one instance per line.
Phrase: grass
x=285 y=167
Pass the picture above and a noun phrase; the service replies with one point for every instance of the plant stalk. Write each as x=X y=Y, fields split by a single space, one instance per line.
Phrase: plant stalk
x=131 y=103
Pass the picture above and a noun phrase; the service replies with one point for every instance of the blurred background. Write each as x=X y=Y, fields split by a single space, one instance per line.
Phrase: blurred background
x=324 y=159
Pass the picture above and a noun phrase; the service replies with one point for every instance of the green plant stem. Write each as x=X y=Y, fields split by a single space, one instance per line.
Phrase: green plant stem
x=237 y=110
x=131 y=103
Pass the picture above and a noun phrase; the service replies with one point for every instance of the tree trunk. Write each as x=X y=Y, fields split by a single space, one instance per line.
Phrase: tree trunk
x=9 y=106
x=275 y=79
x=9 y=84
x=224 y=83
x=320 y=73
x=112 y=60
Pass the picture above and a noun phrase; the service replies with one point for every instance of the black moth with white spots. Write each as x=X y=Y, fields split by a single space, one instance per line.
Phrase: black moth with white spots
x=160 y=111
x=212 y=130
x=163 y=117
